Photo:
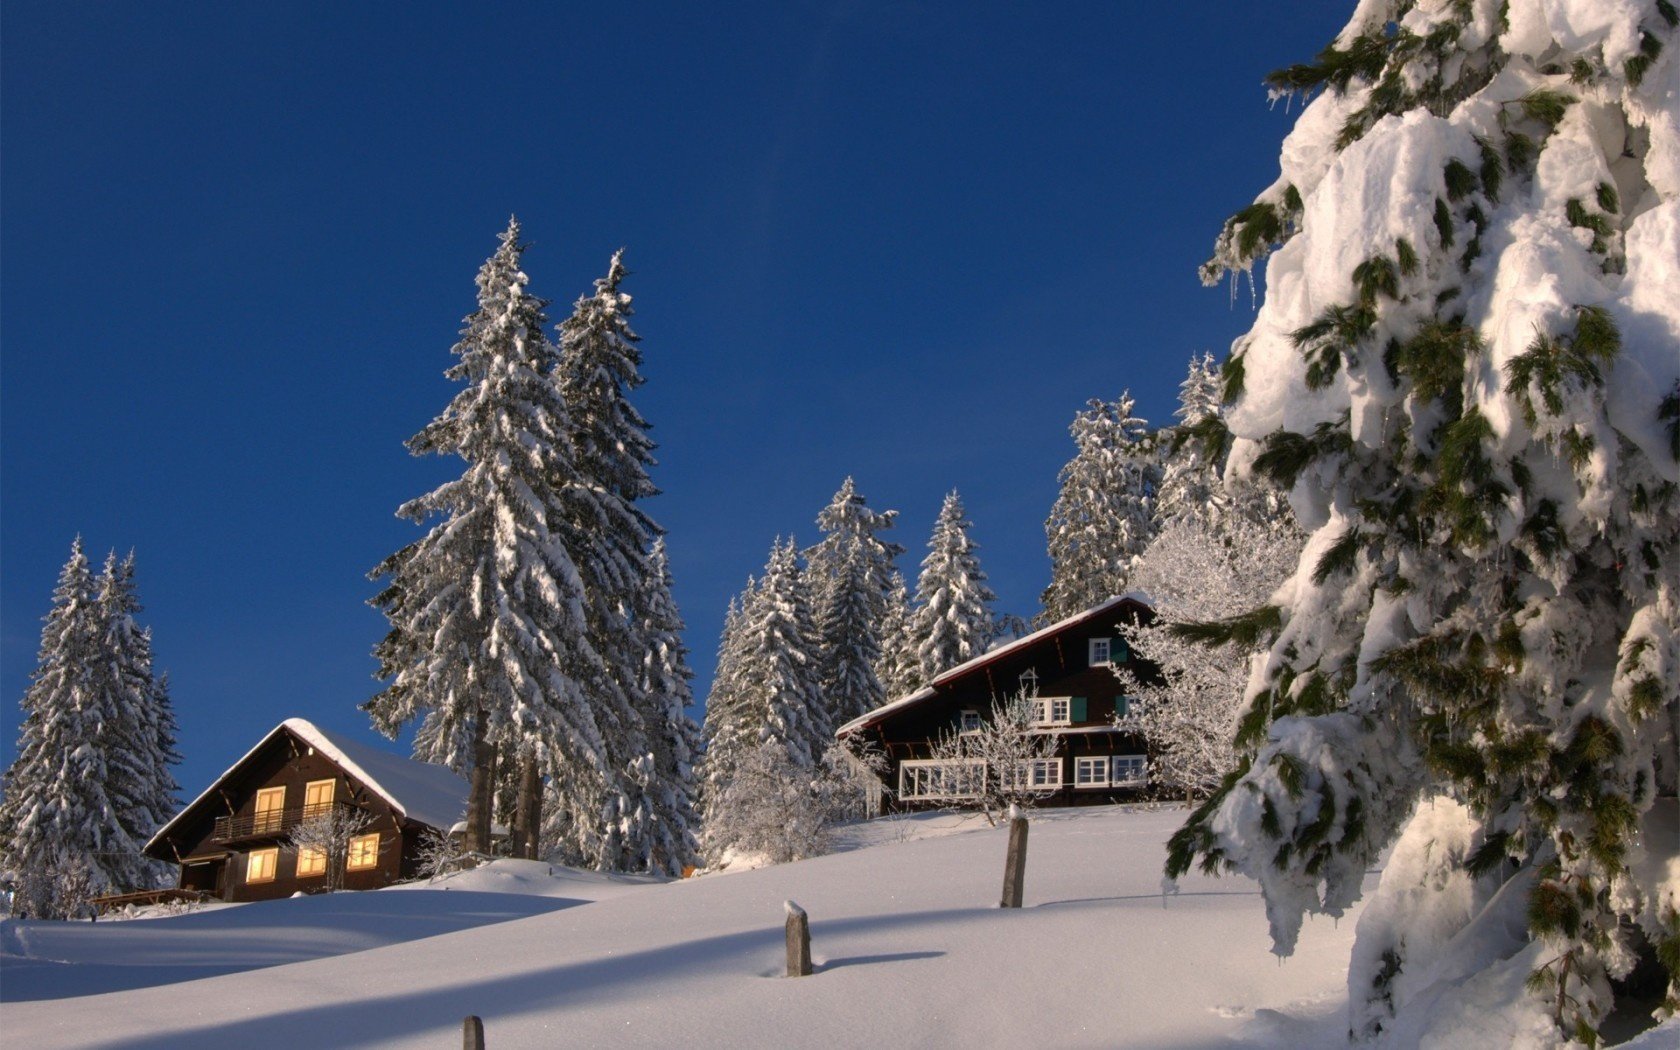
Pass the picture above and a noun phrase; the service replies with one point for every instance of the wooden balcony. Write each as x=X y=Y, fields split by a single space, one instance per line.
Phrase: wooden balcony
x=271 y=824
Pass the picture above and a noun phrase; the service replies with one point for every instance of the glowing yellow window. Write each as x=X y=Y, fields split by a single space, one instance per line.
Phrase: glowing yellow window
x=364 y=852
x=271 y=805
x=260 y=865
x=311 y=862
x=317 y=796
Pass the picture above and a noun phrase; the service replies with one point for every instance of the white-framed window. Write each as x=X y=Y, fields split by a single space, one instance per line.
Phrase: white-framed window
x=1044 y=774
x=936 y=779
x=1100 y=650
x=364 y=853
x=1130 y=769
x=1090 y=771
x=260 y=865
x=1053 y=711
x=971 y=721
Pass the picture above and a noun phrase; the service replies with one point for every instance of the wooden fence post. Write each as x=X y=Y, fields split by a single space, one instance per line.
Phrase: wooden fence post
x=472 y=1034
x=1015 y=864
x=798 y=941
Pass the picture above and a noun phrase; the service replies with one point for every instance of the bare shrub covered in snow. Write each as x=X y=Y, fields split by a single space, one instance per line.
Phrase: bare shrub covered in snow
x=325 y=837
x=989 y=768
x=1467 y=371
x=771 y=807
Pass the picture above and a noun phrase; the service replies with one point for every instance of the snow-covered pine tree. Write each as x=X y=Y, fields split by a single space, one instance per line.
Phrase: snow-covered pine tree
x=57 y=820
x=1105 y=514
x=1466 y=366
x=676 y=739
x=138 y=736
x=779 y=667
x=953 y=618
x=1191 y=464
x=488 y=644
x=850 y=576
x=898 y=667
x=610 y=538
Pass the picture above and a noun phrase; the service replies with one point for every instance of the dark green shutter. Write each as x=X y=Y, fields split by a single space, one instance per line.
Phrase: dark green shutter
x=1122 y=706
x=1119 y=652
x=1076 y=710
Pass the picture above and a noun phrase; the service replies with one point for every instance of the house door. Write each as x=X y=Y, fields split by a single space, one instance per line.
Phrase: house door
x=203 y=875
x=271 y=803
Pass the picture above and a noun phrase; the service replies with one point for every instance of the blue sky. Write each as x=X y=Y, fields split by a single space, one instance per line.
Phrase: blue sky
x=901 y=241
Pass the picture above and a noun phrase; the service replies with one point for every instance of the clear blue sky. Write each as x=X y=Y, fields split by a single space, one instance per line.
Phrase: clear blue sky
x=902 y=241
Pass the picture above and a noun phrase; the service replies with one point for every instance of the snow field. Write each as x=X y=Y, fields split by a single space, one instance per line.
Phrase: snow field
x=909 y=945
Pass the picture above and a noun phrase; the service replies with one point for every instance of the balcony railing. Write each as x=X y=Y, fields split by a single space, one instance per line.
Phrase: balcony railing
x=271 y=823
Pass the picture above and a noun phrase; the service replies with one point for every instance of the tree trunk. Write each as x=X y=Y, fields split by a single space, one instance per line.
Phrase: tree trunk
x=483 y=784
x=528 y=819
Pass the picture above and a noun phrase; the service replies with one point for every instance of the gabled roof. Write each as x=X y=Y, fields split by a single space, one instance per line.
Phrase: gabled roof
x=927 y=692
x=419 y=791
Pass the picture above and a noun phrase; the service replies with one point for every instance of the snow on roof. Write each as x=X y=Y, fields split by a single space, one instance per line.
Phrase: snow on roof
x=430 y=794
x=987 y=657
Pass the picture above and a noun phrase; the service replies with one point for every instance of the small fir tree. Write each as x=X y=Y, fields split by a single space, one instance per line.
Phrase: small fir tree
x=953 y=620
x=851 y=576
x=898 y=667
x=1105 y=514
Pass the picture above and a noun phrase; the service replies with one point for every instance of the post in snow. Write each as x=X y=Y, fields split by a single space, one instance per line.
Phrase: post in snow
x=1015 y=864
x=472 y=1033
x=798 y=941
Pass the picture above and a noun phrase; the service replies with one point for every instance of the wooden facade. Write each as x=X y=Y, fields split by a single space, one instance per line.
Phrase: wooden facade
x=1069 y=668
x=232 y=841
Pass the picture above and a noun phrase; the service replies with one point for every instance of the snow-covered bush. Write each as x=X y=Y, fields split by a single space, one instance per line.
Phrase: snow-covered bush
x=771 y=808
x=1467 y=370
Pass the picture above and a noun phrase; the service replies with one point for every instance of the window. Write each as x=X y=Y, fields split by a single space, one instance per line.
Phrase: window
x=260 y=865
x=1053 y=711
x=971 y=721
x=1044 y=774
x=1099 y=651
x=318 y=796
x=271 y=805
x=1091 y=771
x=1130 y=769
x=311 y=862
x=364 y=852
x=934 y=779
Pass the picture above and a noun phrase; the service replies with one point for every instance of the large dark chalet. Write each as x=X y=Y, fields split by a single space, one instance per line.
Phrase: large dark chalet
x=1068 y=669
x=231 y=841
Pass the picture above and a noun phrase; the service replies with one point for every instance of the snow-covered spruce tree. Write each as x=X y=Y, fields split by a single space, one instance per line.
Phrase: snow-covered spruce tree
x=138 y=736
x=664 y=683
x=1191 y=464
x=1467 y=367
x=57 y=820
x=952 y=623
x=779 y=669
x=898 y=668
x=727 y=729
x=488 y=644
x=850 y=576
x=610 y=540
x=1105 y=514
x=1204 y=566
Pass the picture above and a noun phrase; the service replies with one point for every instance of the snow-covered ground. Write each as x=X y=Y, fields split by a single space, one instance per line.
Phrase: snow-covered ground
x=910 y=949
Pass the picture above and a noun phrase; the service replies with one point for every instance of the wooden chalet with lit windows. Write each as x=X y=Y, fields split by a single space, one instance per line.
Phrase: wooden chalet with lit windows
x=232 y=841
x=1068 y=670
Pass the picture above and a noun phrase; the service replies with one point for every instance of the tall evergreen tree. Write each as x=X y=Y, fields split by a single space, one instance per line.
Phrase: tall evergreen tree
x=610 y=539
x=677 y=743
x=850 y=574
x=953 y=620
x=1105 y=515
x=1467 y=372
x=779 y=667
x=1194 y=457
x=728 y=729
x=488 y=644
x=56 y=816
x=139 y=733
